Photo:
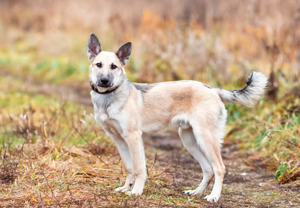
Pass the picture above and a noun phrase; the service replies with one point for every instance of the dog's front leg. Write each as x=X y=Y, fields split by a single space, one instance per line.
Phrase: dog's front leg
x=136 y=148
x=126 y=158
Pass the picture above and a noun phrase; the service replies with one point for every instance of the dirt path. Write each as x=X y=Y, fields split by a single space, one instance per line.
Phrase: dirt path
x=244 y=185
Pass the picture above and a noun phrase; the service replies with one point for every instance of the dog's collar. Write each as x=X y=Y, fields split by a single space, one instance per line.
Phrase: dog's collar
x=94 y=88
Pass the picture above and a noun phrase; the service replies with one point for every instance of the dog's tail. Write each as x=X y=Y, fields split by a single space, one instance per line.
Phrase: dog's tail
x=256 y=84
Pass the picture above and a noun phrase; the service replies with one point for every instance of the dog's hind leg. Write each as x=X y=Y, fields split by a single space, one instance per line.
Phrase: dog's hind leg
x=189 y=142
x=210 y=146
x=126 y=158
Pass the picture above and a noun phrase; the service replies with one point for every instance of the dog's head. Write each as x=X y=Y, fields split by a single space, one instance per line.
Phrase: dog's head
x=107 y=68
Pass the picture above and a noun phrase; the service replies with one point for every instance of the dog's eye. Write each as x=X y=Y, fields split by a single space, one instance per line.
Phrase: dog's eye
x=113 y=66
x=99 y=65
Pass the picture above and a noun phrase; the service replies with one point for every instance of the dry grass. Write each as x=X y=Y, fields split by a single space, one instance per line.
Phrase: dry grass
x=54 y=154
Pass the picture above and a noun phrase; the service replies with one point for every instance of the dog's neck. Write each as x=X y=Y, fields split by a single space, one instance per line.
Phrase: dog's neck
x=118 y=95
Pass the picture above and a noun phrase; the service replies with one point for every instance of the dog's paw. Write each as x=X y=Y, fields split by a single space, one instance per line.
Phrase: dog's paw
x=137 y=190
x=189 y=192
x=134 y=193
x=122 y=189
x=211 y=198
x=197 y=191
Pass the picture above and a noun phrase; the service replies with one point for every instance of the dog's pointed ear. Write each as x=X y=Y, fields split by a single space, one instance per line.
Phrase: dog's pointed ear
x=124 y=53
x=94 y=47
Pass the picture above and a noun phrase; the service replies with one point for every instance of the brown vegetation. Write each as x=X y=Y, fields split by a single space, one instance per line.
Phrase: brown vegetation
x=54 y=154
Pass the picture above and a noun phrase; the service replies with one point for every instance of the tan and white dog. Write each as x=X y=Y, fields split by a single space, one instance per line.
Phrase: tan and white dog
x=125 y=110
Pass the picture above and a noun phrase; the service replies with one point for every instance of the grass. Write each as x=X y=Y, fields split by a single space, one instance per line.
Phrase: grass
x=58 y=156
x=53 y=153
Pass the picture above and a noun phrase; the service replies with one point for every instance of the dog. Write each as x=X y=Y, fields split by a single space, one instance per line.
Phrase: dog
x=125 y=110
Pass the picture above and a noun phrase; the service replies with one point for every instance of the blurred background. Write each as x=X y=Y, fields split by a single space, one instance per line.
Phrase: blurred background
x=171 y=39
x=44 y=88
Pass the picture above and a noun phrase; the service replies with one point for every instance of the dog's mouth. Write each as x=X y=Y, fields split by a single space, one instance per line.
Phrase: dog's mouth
x=103 y=90
x=105 y=85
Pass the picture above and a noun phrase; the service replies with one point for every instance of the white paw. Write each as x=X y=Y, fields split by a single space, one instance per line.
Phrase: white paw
x=189 y=192
x=137 y=193
x=138 y=188
x=211 y=198
x=197 y=191
x=123 y=189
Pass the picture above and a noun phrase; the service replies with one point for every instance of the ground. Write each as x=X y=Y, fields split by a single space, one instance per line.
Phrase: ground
x=54 y=154
x=63 y=175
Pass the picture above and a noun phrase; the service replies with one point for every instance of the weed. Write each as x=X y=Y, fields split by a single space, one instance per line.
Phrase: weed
x=283 y=172
x=9 y=163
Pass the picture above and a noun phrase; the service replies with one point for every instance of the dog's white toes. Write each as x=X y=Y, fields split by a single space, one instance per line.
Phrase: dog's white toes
x=137 y=191
x=197 y=191
x=134 y=193
x=211 y=198
x=122 y=189
x=128 y=193
x=189 y=192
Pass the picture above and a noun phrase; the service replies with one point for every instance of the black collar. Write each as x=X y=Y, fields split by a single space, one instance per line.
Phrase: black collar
x=94 y=88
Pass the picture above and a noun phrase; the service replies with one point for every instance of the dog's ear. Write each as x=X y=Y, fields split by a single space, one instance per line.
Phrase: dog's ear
x=94 y=47
x=124 y=53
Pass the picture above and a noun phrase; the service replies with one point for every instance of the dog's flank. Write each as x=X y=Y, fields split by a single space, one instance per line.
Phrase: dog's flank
x=125 y=110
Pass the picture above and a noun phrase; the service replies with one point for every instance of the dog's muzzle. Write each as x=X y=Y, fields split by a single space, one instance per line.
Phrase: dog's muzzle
x=104 y=82
x=95 y=89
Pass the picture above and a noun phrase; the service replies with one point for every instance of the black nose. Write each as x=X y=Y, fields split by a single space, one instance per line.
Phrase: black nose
x=104 y=80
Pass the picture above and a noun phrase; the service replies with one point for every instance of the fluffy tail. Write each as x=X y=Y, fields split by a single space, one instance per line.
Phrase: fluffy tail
x=256 y=84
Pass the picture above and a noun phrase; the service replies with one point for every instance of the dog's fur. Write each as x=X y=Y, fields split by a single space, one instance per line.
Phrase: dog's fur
x=125 y=110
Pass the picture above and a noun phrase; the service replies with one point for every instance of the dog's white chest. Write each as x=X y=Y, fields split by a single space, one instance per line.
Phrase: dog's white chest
x=110 y=117
x=105 y=114
x=100 y=115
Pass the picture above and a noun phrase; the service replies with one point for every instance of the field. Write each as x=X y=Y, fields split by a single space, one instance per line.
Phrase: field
x=54 y=154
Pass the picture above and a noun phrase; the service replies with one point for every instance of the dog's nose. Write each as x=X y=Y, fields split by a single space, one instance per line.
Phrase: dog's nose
x=104 y=80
